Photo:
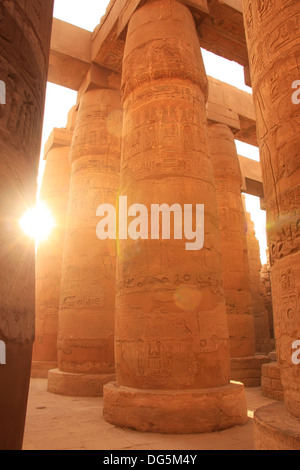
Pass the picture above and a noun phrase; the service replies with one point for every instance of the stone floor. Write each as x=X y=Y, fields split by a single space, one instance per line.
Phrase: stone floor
x=56 y=422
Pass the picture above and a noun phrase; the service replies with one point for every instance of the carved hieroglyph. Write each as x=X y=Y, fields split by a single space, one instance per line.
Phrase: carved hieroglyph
x=235 y=265
x=171 y=329
x=273 y=37
x=87 y=300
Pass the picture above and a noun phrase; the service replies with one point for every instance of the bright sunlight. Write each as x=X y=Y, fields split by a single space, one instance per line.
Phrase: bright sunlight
x=38 y=222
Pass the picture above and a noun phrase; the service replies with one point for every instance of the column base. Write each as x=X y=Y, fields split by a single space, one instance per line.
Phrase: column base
x=271 y=385
x=77 y=385
x=248 y=369
x=175 y=411
x=276 y=429
x=40 y=369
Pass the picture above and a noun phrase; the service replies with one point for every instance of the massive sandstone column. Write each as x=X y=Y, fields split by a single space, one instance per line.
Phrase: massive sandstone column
x=273 y=37
x=261 y=319
x=25 y=29
x=87 y=299
x=54 y=193
x=171 y=338
x=235 y=266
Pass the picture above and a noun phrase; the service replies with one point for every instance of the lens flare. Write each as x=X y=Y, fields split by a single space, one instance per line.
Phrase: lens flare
x=37 y=222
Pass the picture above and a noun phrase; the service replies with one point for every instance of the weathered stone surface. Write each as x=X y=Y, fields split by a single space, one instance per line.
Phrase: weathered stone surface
x=273 y=35
x=25 y=29
x=219 y=26
x=222 y=32
x=248 y=369
x=271 y=385
x=70 y=54
x=77 y=385
x=176 y=411
x=252 y=182
x=235 y=266
x=276 y=429
x=54 y=193
x=171 y=330
x=87 y=300
x=235 y=262
x=233 y=107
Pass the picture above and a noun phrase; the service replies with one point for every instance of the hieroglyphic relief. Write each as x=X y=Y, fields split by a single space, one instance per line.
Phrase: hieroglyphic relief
x=273 y=45
x=165 y=160
x=87 y=297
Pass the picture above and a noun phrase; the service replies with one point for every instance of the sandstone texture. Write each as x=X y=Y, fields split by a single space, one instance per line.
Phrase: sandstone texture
x=48 y=265
x=87 y=295
x=171 y=333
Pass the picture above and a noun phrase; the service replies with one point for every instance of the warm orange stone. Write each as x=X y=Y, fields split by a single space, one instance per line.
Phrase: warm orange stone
x=273 y=36
x=54 y=194
x=235 y=263
x=266 y=290
x=235 y=266
x=263 y=342
x=87 y=300
x=171 y=337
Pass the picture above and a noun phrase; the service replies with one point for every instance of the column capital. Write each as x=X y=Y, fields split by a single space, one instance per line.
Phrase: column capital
x=59 y=137
x=99 y=78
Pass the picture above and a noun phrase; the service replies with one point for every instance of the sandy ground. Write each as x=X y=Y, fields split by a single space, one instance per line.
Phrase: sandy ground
x=56 y=422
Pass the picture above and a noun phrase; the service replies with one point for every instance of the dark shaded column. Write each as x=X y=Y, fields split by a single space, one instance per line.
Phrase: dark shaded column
x=25 y=29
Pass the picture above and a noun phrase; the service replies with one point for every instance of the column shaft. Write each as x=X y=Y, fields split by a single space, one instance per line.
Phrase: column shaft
x=172 y=344
x=273 y=37
x=235 y=265
x=87 y=298
x=245 y=366
x=261 y=319
x=25 y=29
x=54 y=194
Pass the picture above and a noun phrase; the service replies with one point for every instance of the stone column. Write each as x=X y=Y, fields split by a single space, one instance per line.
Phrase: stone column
x=266 y=290
x=24 y=50
x=245 y=366
x=261 y=319
x=87 y=299
x=273 y=36
x=172 y=345
x=54 y=193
